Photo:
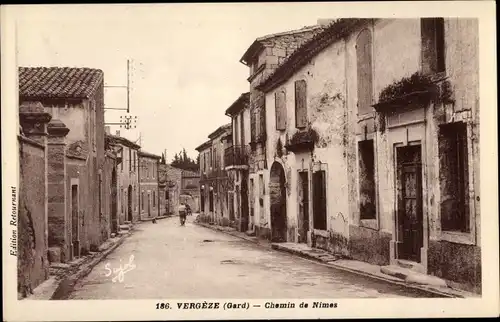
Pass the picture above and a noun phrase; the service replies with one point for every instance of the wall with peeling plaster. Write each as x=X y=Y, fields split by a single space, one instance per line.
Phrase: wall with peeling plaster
x=327 y=114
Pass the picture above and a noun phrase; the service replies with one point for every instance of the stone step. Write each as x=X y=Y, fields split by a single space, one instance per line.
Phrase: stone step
x=124 y=227
x=411 y=276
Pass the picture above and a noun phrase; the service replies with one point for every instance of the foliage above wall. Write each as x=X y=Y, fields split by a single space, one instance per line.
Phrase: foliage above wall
x=416 y=89
x=303 y=140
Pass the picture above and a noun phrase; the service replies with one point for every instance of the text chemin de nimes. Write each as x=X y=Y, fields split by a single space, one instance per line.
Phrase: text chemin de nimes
x=13 y=222
x=244 y=305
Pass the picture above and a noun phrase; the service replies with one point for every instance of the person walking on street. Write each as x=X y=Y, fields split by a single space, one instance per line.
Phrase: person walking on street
x=182 y=213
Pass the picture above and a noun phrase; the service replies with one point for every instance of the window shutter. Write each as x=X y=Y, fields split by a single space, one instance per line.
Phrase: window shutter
x=300 y=104
x=280 y=106
x=262 y=120
x=253 y=125
x=364 y=71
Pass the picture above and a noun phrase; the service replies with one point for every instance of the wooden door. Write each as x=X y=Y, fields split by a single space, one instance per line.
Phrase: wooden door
x=410 y=213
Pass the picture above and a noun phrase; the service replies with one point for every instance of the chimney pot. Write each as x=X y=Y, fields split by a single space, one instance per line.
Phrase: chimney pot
x=117 y=132
x=107 y=129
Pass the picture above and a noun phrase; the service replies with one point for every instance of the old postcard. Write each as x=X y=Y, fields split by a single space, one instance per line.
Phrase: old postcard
x=249 y=161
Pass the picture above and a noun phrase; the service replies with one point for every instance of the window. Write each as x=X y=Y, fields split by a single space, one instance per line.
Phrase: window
x=135 y=165
x=123 y=201
x=142 y=200
x=280 y=109
x=367 y=202
x=262 y=118
x=253 y=126
x=433 y=49
x=453 y=177
x=129 y=160
x=319 y=200
x=121 y=156
x=211 y=201
x=154 y=198
x=300 y=104
x=202 y=201
x=261 y=185
x=251 y=194
x=100 y=195
x=166 y=195
x=364 y=71
x=235 y=126
x=242 y=129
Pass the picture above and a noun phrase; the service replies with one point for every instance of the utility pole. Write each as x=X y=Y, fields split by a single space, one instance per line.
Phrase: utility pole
x=127 y=120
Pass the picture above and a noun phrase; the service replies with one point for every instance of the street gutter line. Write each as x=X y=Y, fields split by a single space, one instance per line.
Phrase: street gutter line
x=358 y=272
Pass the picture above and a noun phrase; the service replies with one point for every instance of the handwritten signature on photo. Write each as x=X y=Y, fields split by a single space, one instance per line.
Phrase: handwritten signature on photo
x=119 y=272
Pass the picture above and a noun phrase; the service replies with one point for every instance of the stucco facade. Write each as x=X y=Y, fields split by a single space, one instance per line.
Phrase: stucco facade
x=215 y=184
x=361 y=144
x=149 y=199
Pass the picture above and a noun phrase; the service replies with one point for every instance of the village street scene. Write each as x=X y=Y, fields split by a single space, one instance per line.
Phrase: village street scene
x=342 y=161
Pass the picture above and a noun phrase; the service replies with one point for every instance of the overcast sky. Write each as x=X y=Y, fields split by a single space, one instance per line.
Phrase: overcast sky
x=185 y=58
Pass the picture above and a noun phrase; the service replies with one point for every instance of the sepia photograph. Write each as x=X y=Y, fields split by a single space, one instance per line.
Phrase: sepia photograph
x=249 y=160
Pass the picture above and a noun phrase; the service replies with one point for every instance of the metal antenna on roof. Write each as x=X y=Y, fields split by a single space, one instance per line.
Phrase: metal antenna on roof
x=128 y=121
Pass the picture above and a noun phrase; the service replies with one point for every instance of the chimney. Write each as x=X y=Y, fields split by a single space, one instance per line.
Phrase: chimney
x=325 y=22
x=107 y=130
x=117 y=132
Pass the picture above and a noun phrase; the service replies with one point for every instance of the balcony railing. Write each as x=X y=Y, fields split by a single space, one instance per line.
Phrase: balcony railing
x=236 y=155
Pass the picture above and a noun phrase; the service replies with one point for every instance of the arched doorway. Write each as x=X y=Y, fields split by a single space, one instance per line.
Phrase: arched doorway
x=114 y=208
x=129 y=203
x=277 y=193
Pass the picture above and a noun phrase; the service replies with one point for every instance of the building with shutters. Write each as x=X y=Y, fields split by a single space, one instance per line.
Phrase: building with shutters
x=373 y=145
x=214 y=181
x=236 y=162
x=127 y=204
x=149 y=198
x=263 y=56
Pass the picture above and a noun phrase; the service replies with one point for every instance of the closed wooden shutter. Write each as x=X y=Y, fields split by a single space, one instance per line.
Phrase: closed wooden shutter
x=364 y=71
x=300 y=104
x=253 y=126
x=280 y=107
x=262 y=120
x=319 y=200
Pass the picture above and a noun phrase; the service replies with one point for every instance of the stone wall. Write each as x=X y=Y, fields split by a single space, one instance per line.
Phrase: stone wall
x=33 y=264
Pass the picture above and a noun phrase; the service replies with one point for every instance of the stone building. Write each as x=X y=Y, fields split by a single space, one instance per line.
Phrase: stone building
x=75 y=154
x=373 y=141
x=148 y=185
x=64 y=204
x=190 y=189
x=263 y=56
x=127 y=178
x=173 y=177
x=236 y=162
x=214 y=182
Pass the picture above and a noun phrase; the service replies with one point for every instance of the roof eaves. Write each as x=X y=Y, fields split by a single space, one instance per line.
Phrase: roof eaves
x=307 y=51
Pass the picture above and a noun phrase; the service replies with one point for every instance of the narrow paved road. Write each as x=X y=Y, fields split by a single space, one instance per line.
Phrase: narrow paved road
x=194 y=262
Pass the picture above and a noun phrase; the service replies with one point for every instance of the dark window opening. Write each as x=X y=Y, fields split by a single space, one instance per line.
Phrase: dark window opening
x=433 y=45
x=453 y=177
x=211 y=201
x=367 y=202
x=319 y=200
x=142 y=200
x=202 y=201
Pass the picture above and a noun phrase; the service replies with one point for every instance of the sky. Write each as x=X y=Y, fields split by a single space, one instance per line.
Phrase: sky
x=185 y=70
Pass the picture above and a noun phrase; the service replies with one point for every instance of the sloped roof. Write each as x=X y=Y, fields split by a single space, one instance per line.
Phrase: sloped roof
x=148 y=155
x=239 y=104
x=204 y=145
x=58 y=82
x=220 y=130
x=288 y=39
x=121 y=140
x=303 y=54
